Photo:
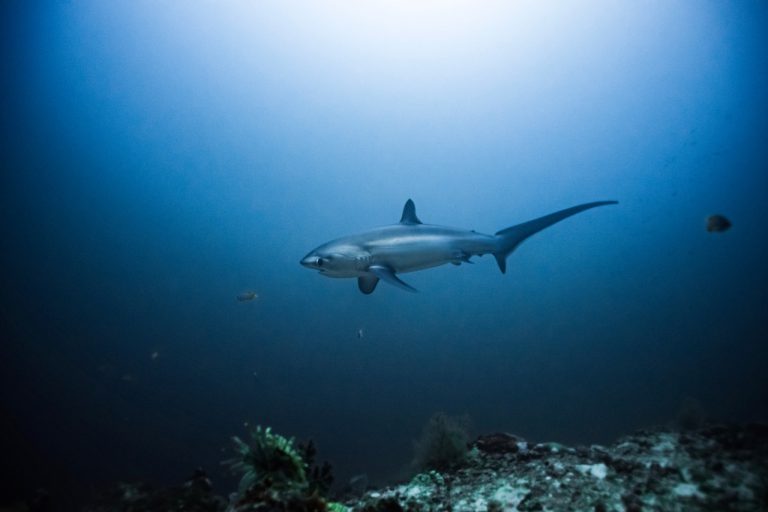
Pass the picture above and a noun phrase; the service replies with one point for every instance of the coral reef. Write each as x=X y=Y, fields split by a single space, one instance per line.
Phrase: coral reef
x=194 y=495
x=443 y=443
x=713 y=468
x=320 y=478
x=275 y=475
x=269 y=460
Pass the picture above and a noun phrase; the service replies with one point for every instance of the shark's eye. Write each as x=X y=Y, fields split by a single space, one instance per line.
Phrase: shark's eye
x=319 y=262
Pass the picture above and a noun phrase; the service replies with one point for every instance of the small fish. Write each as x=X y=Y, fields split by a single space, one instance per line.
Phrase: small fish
x=717 y=223
x=360 y=333
x=247 y=296
x=155 y=355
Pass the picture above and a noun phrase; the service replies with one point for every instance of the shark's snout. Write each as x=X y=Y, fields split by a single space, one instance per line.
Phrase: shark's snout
x=310 y=261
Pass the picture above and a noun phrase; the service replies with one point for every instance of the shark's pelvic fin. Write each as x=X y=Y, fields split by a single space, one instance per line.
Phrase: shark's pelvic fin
x=386 y=274
x=511 y=237
x=367 y=283
x=461 y=257
x=409 y=214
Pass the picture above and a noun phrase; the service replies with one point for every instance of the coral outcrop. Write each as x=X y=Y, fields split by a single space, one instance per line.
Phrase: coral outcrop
x=714 y=468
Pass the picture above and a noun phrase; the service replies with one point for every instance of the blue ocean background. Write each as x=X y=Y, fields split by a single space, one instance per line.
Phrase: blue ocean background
x=159 y=158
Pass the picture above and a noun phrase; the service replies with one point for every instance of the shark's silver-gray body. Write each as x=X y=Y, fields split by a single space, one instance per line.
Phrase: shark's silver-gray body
x=410 y=245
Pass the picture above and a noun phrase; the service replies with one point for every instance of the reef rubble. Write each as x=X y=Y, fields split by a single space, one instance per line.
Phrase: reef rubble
x=713 y=468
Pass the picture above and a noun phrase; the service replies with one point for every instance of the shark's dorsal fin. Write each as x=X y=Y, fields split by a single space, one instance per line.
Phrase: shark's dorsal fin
x=409 y=214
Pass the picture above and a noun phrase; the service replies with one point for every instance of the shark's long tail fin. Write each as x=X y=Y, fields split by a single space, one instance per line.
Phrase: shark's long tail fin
x=511 y=237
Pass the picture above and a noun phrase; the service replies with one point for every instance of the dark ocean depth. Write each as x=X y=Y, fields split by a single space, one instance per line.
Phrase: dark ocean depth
x=160 y=158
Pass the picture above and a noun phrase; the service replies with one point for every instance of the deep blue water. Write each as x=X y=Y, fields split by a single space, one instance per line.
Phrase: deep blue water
x=158 y=159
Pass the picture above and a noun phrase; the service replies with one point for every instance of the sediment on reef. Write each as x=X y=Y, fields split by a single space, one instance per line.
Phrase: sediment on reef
x=714 y=468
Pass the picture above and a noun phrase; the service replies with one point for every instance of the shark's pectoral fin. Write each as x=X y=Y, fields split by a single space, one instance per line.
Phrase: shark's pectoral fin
x=386 y=274
x=367 y=283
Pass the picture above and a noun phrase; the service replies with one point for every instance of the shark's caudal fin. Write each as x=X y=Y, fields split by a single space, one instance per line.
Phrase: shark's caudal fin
x=511 y=237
